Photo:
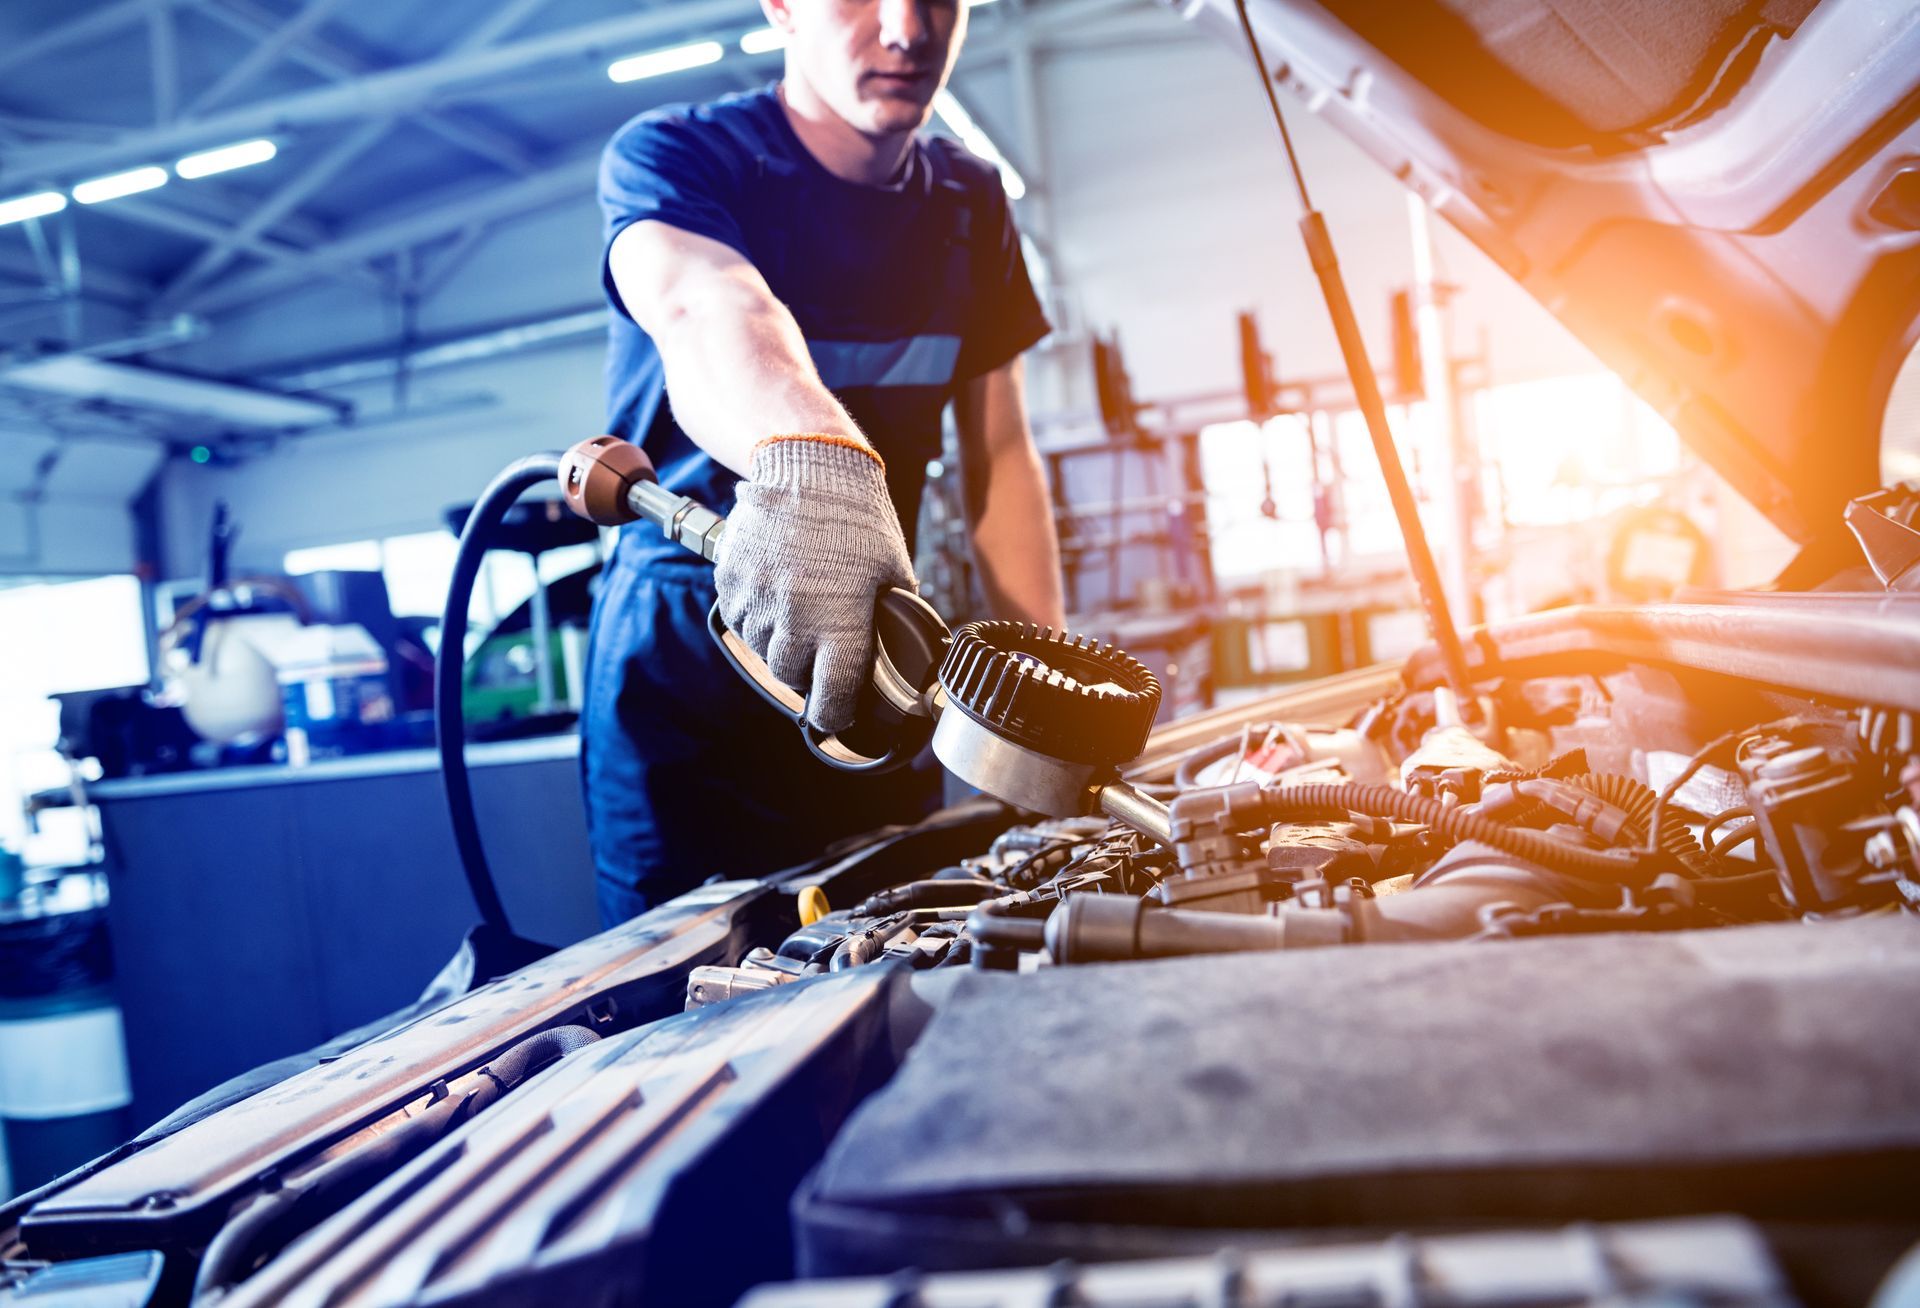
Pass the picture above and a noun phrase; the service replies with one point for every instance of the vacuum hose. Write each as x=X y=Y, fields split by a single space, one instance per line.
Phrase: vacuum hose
x=449 y=666
x=1247 y=806
x=1637 y=801
x=1187 y=775
x=1451 y=825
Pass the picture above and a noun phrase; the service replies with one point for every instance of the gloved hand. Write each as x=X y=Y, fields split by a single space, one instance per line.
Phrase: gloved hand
x=810 y=544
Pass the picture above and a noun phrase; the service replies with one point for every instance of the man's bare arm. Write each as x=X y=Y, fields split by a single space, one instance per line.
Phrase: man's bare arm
x=811 y=538
x=1014 y=539
x=737 y=366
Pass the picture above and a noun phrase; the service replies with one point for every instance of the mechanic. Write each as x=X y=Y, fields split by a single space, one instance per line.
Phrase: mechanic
x=801 y=282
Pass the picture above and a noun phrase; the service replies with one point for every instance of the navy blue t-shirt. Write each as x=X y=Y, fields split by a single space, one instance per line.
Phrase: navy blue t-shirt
x=902 y=291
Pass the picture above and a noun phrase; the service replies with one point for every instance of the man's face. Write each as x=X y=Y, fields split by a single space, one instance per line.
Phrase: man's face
x=875 y=63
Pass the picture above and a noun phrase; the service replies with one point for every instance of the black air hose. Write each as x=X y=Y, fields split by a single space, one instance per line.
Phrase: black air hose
x=449 y=666
x=1043 y=865
x=1743 y=897
x=1000 y=936
x=1249 y=806
x=535 y=1054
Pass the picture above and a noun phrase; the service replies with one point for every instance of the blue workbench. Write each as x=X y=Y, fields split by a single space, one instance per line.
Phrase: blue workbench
x=259 y=911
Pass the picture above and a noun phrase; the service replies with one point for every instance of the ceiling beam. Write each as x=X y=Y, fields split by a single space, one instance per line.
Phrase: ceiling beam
x=209 y=198
x=500 y=23
x=447 y=262
x=324 y=58
x=150 y=213
x=164 y=54
x=89 y=27
x=222 y=250
x=25 y=127
x=477 y=138
x=399 y=90
x=482 y=141
x=163 y=217
x=283 y=202
x=96 y=283
x=264 y=55
x=458 y=207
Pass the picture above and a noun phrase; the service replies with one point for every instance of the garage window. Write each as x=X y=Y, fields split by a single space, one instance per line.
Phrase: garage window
x=1554 y=452
x=418 y=566
x=63 y=636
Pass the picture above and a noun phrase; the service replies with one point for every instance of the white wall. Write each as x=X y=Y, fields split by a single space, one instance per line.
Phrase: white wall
x=395 y=477
x=1173 y=212
x=63 y=501
x=66 y=537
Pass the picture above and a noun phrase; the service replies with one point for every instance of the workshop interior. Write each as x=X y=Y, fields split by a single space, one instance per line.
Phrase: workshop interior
x=1463 y=846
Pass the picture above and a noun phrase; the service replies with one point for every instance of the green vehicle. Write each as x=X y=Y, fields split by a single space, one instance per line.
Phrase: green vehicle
x=509 y=689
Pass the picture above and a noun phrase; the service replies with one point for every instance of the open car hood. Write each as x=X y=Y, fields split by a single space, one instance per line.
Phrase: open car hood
x=1720 y=198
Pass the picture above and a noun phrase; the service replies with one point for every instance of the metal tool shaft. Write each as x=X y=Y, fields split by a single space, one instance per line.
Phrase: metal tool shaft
x=679 y=518
x=1138 y=810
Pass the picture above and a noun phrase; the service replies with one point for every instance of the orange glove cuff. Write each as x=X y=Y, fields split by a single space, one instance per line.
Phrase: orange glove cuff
x=828 y=438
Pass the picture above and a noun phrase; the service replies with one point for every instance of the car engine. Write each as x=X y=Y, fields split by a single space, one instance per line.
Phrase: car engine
x=1574 y=962
x=1623 y=949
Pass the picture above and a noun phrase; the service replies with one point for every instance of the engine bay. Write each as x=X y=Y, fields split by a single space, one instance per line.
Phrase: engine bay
x=1556 y=804
x=1002 y=1039
x=1574 y=962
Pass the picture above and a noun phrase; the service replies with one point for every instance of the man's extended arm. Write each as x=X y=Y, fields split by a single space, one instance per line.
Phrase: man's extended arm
x=1014 y=540
x=737 y=366
x=812 y=538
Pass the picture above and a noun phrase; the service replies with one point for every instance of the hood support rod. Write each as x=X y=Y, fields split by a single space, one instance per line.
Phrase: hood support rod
x=1366 y=390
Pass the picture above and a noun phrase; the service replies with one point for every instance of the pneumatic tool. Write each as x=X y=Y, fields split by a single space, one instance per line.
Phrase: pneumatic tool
x=1039 y=719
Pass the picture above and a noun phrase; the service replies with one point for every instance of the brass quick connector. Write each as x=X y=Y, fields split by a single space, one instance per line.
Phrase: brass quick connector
x=597 y=478
x=611 y=482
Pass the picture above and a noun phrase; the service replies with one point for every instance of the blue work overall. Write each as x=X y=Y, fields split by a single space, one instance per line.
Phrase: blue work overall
x=903 y=293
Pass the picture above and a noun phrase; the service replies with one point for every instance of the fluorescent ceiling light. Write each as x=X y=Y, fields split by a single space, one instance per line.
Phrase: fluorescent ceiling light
x=673 y=59
x=139 y=387
x=975 y=4
x=115 y=185
x=37 y=205
x=961 y=124
x=224 y=159
x=763 y=39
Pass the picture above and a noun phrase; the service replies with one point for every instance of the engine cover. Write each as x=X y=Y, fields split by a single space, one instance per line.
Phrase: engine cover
x=1145 y=1107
